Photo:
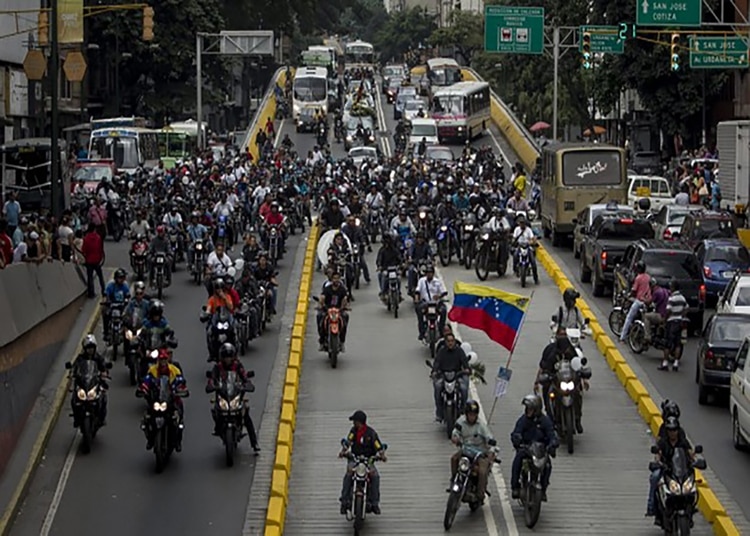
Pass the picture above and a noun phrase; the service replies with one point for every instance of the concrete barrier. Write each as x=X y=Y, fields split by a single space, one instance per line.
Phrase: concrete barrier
x=282 y=466
x=267 y=109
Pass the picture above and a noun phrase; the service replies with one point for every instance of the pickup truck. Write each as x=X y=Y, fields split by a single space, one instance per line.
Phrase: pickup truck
x=604 y=244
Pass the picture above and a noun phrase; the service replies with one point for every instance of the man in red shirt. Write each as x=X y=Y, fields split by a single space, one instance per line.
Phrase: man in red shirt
x=274 y=217
x=6 y=245
x=93 y=255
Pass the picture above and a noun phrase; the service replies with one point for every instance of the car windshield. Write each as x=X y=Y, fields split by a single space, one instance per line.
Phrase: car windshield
x=364 y=152
x=625 y=229
x=676 y=217
x=672 y=265
x=93 y=173
x=440 y=154
x=423 y=131
x=354 y=122
x=714 y=228
x=413 y=105
x=730 y=328
x=743 y=297
x=733 y=254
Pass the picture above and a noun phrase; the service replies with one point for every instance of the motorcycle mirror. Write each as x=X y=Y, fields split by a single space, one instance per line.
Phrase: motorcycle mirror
x=210 y=389
x=251 y=374
x=700 y=464
x=182 y=394
x=576 y=364
x=209 y=374
x=584 y=361
x=68 y=365
x=492 y=442
x=698 y=449
x=139 y=394
x=554 y=318
x=654 y=449
x=108 y=365
x=586 y=321
x=428 y=363
x=385 y=446
x=344 y=442
x=315 y=298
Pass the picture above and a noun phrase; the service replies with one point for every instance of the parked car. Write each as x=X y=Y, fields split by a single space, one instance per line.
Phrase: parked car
x=739 y=397
x=668 y=220
x=736 y=296
x=667 y=262
x=586 y=217
x=721 y=258
x=717 y=352
x=698 y=226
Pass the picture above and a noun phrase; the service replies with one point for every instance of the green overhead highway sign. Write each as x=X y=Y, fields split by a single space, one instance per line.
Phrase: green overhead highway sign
x=729 y=52
x=515 y=30
x=668 y=12
x=604 y=39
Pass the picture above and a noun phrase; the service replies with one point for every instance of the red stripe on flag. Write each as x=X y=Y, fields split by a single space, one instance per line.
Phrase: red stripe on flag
x=479 y=319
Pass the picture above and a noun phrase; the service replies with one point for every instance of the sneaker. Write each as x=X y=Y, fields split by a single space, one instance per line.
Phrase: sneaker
x=579 y=427
x=344 y=508
x=516 y=493
x=321 y=347
x=343 y=348
x=663 y=367
x=256 y=450
x=544 y=496
x=376 y=509
x=675 y=366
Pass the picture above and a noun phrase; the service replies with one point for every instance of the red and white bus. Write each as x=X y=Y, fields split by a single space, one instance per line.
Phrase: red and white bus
x=462 y=111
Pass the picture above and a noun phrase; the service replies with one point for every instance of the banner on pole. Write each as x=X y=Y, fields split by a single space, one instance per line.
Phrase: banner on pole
x=503 y=381
x=70 y=21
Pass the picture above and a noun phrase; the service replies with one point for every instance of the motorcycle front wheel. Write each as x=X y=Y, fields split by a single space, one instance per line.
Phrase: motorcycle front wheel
x=230 y=445
x=87 y=433
x=451 y=508
x=481 y=266
x=683 y=526
x=616 y=321
x=532 y=506
x=444 y=252
x=636 y=339
x=522 y=274
x=160 y=449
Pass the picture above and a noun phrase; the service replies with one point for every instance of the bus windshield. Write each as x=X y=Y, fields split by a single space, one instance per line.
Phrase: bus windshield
x=592 y=168
x=174 y=144
x=445 y=76
x=448 y=104
x=310 y=89
x=123 y=150
x=359 y=55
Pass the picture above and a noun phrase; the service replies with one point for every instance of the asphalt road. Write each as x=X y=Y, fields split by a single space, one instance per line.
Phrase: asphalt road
x=114 y=489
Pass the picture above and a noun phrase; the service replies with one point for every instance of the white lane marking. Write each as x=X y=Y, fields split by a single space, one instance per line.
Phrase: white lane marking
x=495 y=471
x=49 y=519
x=278 y=132
x=381 y=121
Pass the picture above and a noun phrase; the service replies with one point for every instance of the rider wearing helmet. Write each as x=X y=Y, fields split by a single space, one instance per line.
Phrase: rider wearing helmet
x=139 y=303
x=89 y=353
x=420 y=253
x=156 y=330
x=163 y=368
x=388 y=256
x=472 y=432
x=524 y=236
x=673 y=438
x=160 y=244
x=571 y=315
x=117 y=291
x=197 y=231
x=227 y=363
x=532 y=427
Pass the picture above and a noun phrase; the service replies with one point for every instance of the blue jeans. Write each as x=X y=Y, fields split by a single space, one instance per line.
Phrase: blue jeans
x=374 y=488
x=653 y=483
x=515 y=472
x=463 y=387
x=632 y=313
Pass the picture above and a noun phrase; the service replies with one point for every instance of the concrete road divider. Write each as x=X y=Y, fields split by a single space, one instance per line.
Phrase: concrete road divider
x=708 y=504
x=267 y=109
x=282 y=466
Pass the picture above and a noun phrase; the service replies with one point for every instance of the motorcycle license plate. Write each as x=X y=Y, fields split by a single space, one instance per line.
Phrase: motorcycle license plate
x=116 y=313
x=392 y=275
x=431 y=310
x=160 y=260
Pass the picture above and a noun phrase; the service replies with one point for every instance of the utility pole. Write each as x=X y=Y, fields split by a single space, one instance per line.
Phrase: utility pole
x=199 y=89
x=56 y=202
x=556 y=60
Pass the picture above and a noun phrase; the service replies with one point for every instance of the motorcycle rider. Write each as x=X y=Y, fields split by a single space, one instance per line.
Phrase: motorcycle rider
x=641 y=292
x=517 y=203
x=659 y=300
x=160 y=244
x=218 y=264
x=388 y=256
x=460 y=200
x=228 y=362
x=450 y=358
x=402 y=226
x=156 y=328
x=471 y=431
x=374 y=199
x=89 y=352
x=117 y=291
x=265 y=273
x=139 y=226
x=429 y=289
x=177 y=383
x=332 y=217
x=560 y=348
x=676 y=308
x=421 y=252
x=197 y=231
x=571 y=315
x=356 y=235
x=363 y=441
x=139 y=303
x=674 y=439
x=531 y=427
x=274 y=217
x=333 y=295
x=524 y=236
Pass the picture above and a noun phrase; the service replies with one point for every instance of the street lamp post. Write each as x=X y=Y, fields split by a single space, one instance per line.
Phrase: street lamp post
x=56 y=201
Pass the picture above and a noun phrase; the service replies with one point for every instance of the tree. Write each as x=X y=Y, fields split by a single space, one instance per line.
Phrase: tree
x=465 y=33
x=403 y=31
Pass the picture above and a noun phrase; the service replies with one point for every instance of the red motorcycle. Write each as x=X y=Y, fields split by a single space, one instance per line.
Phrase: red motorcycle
x=138 y=257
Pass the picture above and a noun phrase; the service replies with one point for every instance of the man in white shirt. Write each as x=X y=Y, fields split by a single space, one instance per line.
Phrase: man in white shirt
x=524 y=236
x=374 y=199
x=429 y=289
x=218 y=264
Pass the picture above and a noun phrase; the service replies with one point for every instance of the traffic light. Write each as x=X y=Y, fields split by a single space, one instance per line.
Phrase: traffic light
x=148 y=23
x=674 y=52
x=586 y=50
x=43 y=28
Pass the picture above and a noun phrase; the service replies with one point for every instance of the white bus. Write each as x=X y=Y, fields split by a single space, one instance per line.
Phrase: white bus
x=129 y=147
x=321 y=56
x=462 y=110
x=359 y=55
x=443 y=72
x=310 y=89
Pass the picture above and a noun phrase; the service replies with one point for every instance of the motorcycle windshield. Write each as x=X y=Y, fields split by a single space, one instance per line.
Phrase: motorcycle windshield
x=449 y=376
x=165 y=390
x=680 y=465
x=87 y=373
x=564 y=372
x=538 y=450
x=230 y=386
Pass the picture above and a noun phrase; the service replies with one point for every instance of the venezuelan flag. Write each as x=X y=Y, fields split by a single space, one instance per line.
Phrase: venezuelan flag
x=496 y=312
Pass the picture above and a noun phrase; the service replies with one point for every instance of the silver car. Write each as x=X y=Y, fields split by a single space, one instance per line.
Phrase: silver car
x=668 y=220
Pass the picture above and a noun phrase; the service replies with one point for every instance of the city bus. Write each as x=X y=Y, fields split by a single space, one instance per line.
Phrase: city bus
x=359 y=55
x=310 y=89
x=575 y=175
x=462 y=111
x=178 y=141
x=443 y=72
x=26 y=165
x=116 y=122
x=129 y=147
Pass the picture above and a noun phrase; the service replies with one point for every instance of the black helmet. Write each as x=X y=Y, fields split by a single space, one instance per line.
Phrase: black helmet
x=640 y=267
x=218 y=283
x=120 y=274
x=472 y=406
x=227 y=350
x=156 y=308
x=570 y=296
x=670 y=409
x=671 y=423
x=533 y=401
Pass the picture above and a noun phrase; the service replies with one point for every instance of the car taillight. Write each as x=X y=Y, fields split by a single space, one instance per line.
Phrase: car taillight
x=667 y=234
x=702 y=293
x=709 y=359
x=707 y=271
x=604 y=259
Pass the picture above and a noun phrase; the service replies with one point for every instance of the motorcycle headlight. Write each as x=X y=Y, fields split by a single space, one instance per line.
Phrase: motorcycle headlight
x=468 y=227
x=372 y=138
x=422 y=215
x=540 y=463
x=81 y=394
x=688 y=486
x=450 y=387
x=223 y=404
x=198 y=247
x=574 y=341
x=444 y=228
x=431 y=311
x=674 y=487
x=116 y=313
x=464 y=465
x=159 y=260
x=392 y=275
x=154 y=354
x=223 y=325
x=567 y=386
x=357 y=222
x=486 y=236
x=160 y=406
x=348 y=138
x=361 y=470
x=236 y=402
x=92 y=394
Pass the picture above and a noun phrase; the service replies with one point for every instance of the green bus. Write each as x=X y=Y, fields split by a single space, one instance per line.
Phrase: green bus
x=178 y=141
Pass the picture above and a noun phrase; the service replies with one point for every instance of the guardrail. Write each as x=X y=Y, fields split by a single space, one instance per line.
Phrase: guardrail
x=267 y=108
x=282 y=465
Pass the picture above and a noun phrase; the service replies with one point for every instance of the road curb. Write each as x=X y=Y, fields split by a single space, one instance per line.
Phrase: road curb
x=708 y=504
x=282 y=466
x=36 y=454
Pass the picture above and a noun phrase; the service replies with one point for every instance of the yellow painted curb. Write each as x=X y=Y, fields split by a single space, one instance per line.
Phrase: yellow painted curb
x=290 y=395
x=614 y=358
x=723 y=526
x=288 y=415
x=280 y=485
x=636 y=390
x=285 y=435
x=276 y=513
x=605 y=344
x=296 y=346
x=295 y=359
x=282 y=462
x=298 y=332
x=708 y=504
x=292 y=377
x=272 y=531
x=624 y=373
x=300 y=318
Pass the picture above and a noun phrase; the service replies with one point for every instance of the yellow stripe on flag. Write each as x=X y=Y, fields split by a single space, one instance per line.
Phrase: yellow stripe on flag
x=516 y=300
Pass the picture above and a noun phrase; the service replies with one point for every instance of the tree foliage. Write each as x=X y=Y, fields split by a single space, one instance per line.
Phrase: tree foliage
x=404 y=30
x=465 y=34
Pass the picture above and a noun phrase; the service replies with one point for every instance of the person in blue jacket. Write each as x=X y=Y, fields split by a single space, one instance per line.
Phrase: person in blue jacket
x=117 y=291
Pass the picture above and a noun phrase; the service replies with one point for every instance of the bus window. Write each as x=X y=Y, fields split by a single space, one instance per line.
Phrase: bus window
x=310 y=89
x=592 y=168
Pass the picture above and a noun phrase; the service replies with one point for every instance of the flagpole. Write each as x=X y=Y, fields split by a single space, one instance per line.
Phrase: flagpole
x=510 y=354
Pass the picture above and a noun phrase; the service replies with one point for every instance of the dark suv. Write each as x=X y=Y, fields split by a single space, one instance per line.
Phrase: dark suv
x=667 y=262
x=699 y=226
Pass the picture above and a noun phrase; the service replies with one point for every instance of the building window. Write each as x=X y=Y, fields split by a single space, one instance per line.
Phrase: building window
x=65 y=88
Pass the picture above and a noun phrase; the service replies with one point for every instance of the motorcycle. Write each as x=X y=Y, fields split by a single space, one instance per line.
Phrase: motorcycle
x=431 y=317
x=243 y=326
x=492 y=252
x=229 y=407
x=363 y=468
x=637 y=335
x=374 y=223
x=451 y=398
x=424 y=221
x=463 y=487
x=163 y=420
x=176 y=245
x=133 y=348
x=332 y=326
x=567 y=385
x=445 y=237
x=356 y=264
x=468 y=234
x=535 y=461
x=115 y=339
x=115 y=219
x=264 y=306
x=274 y=241
x=138 y=255
x=221 y=233
x=88 y=386
x=393 y=291
x=677 y=493
x=199 y=261
x=621 y=303
x=161 y=279
x=222 y=329
x=523 y=263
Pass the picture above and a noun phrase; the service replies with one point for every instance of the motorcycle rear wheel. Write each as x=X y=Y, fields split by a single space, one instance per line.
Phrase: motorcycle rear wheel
x=451 y=508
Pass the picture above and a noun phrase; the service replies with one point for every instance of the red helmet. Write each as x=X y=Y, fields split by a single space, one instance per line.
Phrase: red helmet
x=161 y=230
x=163 y=354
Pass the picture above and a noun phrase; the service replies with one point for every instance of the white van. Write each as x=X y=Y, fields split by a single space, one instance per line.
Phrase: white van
x=657 y=189
x=423 y=128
